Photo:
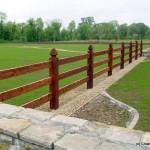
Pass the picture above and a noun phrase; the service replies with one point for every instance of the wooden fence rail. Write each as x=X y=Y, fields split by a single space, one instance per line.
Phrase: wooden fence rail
x=114 y=57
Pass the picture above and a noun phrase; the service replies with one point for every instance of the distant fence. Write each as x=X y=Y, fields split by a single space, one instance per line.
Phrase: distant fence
x=132 y=50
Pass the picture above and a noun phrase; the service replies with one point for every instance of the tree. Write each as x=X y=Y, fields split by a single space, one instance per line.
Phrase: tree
x=65 y=35
x=56 y=25
x=3 y=17
x=85 y=28
x=71 y=29
x=39 y=29
x=123 y=31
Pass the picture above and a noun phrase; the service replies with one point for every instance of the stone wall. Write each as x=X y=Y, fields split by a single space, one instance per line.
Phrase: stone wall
x=27 y=129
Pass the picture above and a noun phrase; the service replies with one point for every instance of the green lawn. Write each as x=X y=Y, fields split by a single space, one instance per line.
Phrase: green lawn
x=134 y=90
x=15 y=55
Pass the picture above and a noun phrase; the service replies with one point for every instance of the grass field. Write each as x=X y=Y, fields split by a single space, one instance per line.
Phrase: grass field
x=15 y=55
x=134 y=90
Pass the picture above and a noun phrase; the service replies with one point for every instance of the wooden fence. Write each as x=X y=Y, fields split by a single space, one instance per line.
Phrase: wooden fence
x=132 y=50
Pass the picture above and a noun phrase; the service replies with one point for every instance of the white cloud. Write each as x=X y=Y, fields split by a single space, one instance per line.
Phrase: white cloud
x=66 y=10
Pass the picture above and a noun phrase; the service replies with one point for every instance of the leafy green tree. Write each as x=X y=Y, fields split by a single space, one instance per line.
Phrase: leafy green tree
x=72 y=29
x=65 y=35
x=3 y=17
x=123 y=31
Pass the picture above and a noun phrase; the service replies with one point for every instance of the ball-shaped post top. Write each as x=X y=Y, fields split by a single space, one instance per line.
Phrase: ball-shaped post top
x=90 y=48
x=53 y=52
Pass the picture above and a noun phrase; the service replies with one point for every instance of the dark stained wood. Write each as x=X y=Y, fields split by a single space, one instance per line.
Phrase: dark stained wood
x=110 y=57
x=130 y=53
x=101 y=72
x=117 y=49
x=116 y=57
x=72 y=86
x=116 y=65
x=72 y=72
x=8 y=73
x=126 y=60
x=122 y=56
x=90 y=67
x=126 y=53
x=54 y=86
x=101 y=53
x=24 y=89
x=141 y=48
x=72 y=59
x=38 y=102
x=136 y=51
x=133 y=51
x=126 y=47
x=100 y=62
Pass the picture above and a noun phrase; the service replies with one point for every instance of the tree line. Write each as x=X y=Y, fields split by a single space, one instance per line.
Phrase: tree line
x=36 y=30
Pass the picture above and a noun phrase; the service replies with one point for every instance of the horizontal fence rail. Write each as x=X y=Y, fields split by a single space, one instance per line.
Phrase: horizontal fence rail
x=113 y=57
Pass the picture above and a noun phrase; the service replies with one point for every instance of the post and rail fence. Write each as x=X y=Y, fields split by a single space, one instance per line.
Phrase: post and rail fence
x=135 y=50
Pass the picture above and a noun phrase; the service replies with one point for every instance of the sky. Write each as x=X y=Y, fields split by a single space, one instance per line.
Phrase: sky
x=125 y=11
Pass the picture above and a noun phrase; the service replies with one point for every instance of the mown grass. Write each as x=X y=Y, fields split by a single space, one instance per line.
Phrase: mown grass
x=15 y=55
x=134 y=90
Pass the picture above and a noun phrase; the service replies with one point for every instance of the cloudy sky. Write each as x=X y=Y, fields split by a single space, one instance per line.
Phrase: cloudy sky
x=66 y=10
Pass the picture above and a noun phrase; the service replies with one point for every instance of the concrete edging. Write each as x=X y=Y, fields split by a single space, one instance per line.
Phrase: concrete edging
x=134 y=115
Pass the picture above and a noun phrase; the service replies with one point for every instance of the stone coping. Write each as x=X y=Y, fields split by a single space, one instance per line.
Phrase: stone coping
x=133 y=113
x=22 y=129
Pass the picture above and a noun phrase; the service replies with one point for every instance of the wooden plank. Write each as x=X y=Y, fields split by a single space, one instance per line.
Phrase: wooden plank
x=100 y=62
x=90 y=62
x=127 y=53
x=110 y=62
x=54 y=85
x=72 y=59
x=24 y=89
x=12 y=72
x=130 y=53
x=117 y=57
x=141 y=48
x=133 y=51
x=126 y=47
x=136 y=50
x=38 y=102
x=122 y=56
x=101 y=53
x=117 y=49
x=72 y=86
x=101 y=72
x=72 y=72
x=126 y=60
x=116 y=65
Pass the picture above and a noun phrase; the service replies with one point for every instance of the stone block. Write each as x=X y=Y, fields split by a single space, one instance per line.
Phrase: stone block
x=35 y=116
x=7 y=110
x=13 y=126
x=146 y=140
x=77 y=142
x=42 y=135
x=123 y=135
x=110 y=146
x=72 y=121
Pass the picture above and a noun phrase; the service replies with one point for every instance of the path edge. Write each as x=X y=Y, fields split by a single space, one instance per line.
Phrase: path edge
x=134 y=115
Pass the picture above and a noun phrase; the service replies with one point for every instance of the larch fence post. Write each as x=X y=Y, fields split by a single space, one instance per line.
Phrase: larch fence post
x=130 y=53
x=136 y=51
x=141 y=48
x=90 y=67
x=122 y=56
x=54 y=86
x=110 y=57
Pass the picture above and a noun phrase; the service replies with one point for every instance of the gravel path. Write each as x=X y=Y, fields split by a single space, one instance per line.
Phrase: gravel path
x=77 y=98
